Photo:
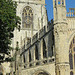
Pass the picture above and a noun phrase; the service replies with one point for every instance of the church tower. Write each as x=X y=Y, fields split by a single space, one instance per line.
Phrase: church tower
x=33 y=17
x=60 y=33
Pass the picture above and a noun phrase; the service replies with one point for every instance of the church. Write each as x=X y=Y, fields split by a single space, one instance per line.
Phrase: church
x=44 y=48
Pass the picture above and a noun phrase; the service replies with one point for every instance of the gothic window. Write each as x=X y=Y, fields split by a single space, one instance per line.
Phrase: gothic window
x=72 y=57
x=27 y=17
x=71 y=60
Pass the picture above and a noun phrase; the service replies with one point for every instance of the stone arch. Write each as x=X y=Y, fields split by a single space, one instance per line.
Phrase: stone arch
x=41 y=72
x=27 y=17
x=21 y=10
x=71 y=37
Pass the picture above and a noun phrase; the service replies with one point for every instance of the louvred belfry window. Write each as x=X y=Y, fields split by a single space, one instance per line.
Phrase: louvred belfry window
x=27 y=17
x=72 y=57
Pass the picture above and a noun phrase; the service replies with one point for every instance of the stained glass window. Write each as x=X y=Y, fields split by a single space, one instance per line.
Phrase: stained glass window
x=72 y=57
x=71 y=60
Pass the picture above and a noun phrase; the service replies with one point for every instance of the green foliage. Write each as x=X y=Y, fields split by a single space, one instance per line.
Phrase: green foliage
x=8 y=21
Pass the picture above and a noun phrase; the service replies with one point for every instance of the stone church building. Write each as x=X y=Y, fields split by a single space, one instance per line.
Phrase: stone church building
x=43 y=48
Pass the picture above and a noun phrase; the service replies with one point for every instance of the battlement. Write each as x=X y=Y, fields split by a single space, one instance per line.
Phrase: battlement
x=71 y=13
x=58 y=3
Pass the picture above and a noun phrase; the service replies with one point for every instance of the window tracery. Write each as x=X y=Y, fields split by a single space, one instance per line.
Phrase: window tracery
x=72 y=57
x=27 y=17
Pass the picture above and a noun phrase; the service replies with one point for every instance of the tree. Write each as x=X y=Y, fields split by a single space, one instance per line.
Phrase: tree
x=8 y=21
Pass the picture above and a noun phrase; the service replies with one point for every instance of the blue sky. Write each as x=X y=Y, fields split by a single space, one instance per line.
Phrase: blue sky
x=49 y=7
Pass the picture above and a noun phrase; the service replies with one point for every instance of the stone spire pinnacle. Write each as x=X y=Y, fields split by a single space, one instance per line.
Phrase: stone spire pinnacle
x=59 y=8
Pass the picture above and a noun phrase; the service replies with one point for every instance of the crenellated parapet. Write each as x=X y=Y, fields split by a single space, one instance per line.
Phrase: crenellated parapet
x=71 y=13
x=71 y=19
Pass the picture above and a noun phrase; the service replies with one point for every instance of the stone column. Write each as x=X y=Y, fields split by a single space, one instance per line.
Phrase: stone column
x=25 y=39
x=41 y=49
x=21 y=44
x=61 y=48
x=47 y=55
x=27 y=58
x=33 y=55
x=53 y=3
x=20 y=68
x=54 y=10
x=64 y=2
x=38 y=27
x=41 y=16
x=31 y=32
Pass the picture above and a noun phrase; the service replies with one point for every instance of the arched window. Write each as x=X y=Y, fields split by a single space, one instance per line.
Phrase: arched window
x=72 y=57
x=27 y=17
x=71 y=60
